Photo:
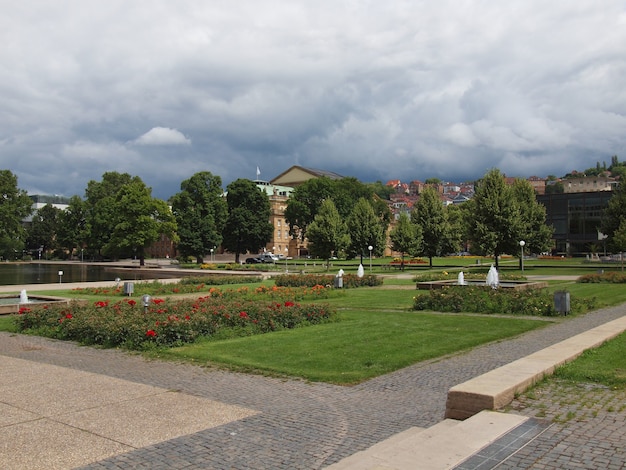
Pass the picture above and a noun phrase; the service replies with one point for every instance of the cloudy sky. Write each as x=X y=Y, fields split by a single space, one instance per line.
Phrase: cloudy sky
x=402 y=89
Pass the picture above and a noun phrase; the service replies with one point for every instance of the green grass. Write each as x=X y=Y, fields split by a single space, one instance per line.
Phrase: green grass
x=604 y=365
x=362 y=345
x=7 y=324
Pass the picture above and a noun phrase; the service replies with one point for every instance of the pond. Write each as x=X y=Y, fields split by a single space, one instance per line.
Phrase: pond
x=48 y=273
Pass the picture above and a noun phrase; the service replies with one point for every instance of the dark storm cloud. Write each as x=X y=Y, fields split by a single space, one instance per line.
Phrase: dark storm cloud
x=398 y=89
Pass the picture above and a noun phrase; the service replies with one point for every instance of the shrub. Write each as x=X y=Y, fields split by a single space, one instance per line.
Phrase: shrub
x=611 y=277
x=478 y=299
x=310 y=280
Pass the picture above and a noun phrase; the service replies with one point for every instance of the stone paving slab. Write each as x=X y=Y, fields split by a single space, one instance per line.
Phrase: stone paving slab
x=55 y=417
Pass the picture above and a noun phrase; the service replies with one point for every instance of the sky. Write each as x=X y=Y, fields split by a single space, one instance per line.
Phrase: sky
x=400 y=89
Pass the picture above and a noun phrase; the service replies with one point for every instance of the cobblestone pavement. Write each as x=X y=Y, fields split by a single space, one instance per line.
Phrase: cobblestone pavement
x=311 y=425
x=588 y=430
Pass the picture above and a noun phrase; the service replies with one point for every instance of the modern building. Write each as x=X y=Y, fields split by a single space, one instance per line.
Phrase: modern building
x=576 y=219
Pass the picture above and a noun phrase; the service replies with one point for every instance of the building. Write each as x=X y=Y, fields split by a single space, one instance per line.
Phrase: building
x=576 y=219
x=281 y=242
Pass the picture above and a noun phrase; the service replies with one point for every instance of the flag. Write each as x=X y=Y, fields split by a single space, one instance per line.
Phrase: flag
x=258 y=172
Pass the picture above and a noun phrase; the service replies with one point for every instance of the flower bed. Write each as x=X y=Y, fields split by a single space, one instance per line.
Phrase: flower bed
x=311 y=280
x=167 y=322
x=487 y=300
x=611 y=277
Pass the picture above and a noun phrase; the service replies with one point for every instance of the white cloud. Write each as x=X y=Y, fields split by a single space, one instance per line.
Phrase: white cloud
x=162 y=136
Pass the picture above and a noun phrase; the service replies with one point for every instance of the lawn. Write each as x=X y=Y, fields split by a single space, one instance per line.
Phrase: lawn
x=361 y=345
x=605 y=365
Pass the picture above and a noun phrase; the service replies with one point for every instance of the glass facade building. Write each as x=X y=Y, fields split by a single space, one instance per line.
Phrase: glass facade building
x=576 y=219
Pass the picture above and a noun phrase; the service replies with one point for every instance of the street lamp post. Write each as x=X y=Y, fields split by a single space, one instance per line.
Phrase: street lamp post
x=211 y=255
x=521 y=244
x=60 y=276
x=286 y=255
x=370 y=248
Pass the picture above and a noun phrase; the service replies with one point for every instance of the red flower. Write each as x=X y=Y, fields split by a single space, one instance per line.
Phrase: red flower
x=151 y=334
x=158 y=301
x=243 y=314
x=101 y=303
x=69 y=315
x=23 y=310
x=289 y=304
x=187 y=317
x=132 y=302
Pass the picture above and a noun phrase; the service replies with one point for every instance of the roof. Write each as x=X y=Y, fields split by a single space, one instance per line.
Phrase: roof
x=298 y=174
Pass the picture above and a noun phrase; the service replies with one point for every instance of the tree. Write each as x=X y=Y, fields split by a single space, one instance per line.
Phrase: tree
x=247 y=227
x=72 y=231
x=619 y=241
x=304 y=203
x=365 y=229
x=614 y=215
x=100 y=207
x=533 y=231
x=458 y=233
x=200 y=211
x=139 y=220
x=430 y=215
x=493 y=217
x=406 y=237
x=327 y=233
x=43 y=230
x=15 y=206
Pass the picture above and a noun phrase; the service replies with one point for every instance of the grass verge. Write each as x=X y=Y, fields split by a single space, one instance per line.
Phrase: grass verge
x=605 y=365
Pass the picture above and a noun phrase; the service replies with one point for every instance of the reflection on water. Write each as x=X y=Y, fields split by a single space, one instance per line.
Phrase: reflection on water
x=47 y=273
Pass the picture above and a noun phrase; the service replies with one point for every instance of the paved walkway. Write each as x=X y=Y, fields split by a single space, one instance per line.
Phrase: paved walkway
x=291 y=424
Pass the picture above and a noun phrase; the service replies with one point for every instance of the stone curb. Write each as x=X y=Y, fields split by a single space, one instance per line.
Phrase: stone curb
x=497 y=388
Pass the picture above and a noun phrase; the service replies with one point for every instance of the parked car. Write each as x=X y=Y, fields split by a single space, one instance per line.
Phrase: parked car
x=268 y=258
x=253 y=260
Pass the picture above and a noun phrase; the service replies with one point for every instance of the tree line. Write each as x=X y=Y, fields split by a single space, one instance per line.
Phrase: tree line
x=118 y=217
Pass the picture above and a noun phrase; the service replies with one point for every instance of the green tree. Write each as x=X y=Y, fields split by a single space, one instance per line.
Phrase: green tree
x=383 y=191
x=458 y=233
x=430 y=215
x=42 y=233
x=101 y=206
x=15 y=206
x=201 y=211
x=327 y=233
x=247 y=227
x=346 y=191
x=139 y=220
x=614 y=215
x=493 y=217
x=406 y=237
x=619 y=241
x=365 y=229
x=304 y=203
x=533 y=231
x=72 y=231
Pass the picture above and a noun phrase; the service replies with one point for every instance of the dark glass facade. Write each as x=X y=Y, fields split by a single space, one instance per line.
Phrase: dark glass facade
x=576 y=219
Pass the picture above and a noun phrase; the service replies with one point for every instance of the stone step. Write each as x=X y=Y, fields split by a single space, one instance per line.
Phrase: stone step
x=442 y=446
